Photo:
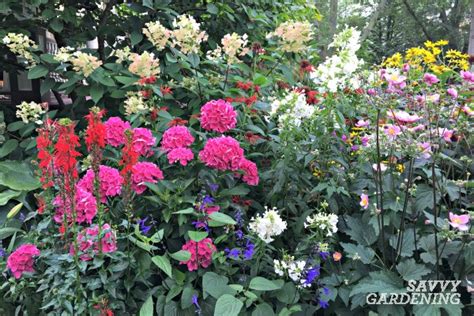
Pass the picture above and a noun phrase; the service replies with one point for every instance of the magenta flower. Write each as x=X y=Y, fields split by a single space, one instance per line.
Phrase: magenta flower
x=460 y=222
x=142 y=141
x=143 y=172
x=467 y=76
x=176 y=137
x=21 y=260
x=181 y=154
x=364 y=201
x=115 y=131
x=403 y=117
x=430 y=79
x=453 y=93
x=218 y=116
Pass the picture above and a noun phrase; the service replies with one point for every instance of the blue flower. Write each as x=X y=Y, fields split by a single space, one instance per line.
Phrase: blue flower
x=323 y=304
x=194 y=299
x=2 y=252
x=312 y=274
x=249 y=250
x=326 y=291
x=207 y=200
x=213 y=186
x=239 y=234
x=238 y=218
x=144 y=229
x=233 y=253
x=324 y=254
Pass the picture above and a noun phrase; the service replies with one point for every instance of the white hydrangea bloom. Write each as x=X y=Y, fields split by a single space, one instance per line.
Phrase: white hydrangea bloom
x=135 y=104
x=157 y=34
x=326 y=223
x=84 y=63
x=268 y=225
x=64 y=54
x=20 y=45
x=30 y=112
x=187 y=34
x=338 y=70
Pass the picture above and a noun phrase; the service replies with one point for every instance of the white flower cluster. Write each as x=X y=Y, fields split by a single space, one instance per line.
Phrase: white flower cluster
x=20 y=45
x=233 y=45
x=187 y=34
x=294 y=269
x=337 y=71
x=157 y=34
x=63 y=55
x=293 y=35
x=135 y=104
x=144 y=65
x=326 y=223
x=292 y=109
x=122 y=54
x=268 y=225
x=84 y=63
x=30 y=112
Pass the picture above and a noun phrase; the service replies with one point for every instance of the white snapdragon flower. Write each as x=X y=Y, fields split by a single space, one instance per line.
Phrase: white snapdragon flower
x=268 y=225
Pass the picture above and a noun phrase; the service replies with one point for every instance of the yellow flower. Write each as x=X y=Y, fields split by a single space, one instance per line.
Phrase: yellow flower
x=400 y=167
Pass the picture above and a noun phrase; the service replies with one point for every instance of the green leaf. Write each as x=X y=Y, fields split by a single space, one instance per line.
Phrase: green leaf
x=37 y=72
x=17 y=176
x=365 y=254
x=97 y=91
x=8 y=231
x=212 y=8
x=182 y=255
x=56 y=25
x=216 y=285
x=379 y=282
x=7 y=195
x=126 y=80
x=197 y=236
x=238 y=190
x=410 y=270
x=262 y=284
x=361 y=233
x=263 y=310
x=222 y=218
x=228 y=305
x=260 y=80
x=9 y=146
x=188 y=210
x=46 y=85
x=193 y=60
x=164 y=264
x=136 y=37
x=147 y=307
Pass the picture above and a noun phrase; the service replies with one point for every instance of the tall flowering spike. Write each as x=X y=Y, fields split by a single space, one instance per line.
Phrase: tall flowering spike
x=44 y=144
x=95 y=132
x=65 y=153
x=129 y=155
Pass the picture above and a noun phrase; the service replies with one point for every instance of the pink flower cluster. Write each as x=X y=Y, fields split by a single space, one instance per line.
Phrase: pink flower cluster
x=218 y=116
x=115 y=131
x=86 y=207
x=225 y=153
x=88 y=241
x=142 y=141
x=430 y=79
x=21 y=260
x=110 y=182
x=467 y=76
x=175 y=142
x=145 y=172
x=201 y=253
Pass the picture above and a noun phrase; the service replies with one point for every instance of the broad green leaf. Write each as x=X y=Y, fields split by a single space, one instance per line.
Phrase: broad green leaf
x=37 y=72
x=97 y=91
x=188 y=210
x=216 y=285
x=364 y=254
x=263 y=310
x=9 y=146
x=197 y=236
x=222 y=218
x=238 y=190
x=212 y=8
x=7 y=195
x=410 y=270
x=182 y=255
x=147 y=307
x=8 y=231
x=17 y=176
x=228 y=305
x=164 y=264
x=379 y=282
x=262 y=284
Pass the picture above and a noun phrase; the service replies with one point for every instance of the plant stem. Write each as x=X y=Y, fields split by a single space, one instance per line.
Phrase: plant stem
x=380 y=189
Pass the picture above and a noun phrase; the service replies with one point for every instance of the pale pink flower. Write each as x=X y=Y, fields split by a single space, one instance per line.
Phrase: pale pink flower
x=383 y=167
x=453 y=93
x=430 y=79
x=364 y=201
x=460 y=222
x=392 y=131
x=467 y=76
x=362 y=123
x=403 y=117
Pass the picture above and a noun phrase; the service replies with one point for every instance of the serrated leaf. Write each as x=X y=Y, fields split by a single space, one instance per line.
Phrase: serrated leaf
x=379 y=282
x=410 y=270
x=364 y=254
